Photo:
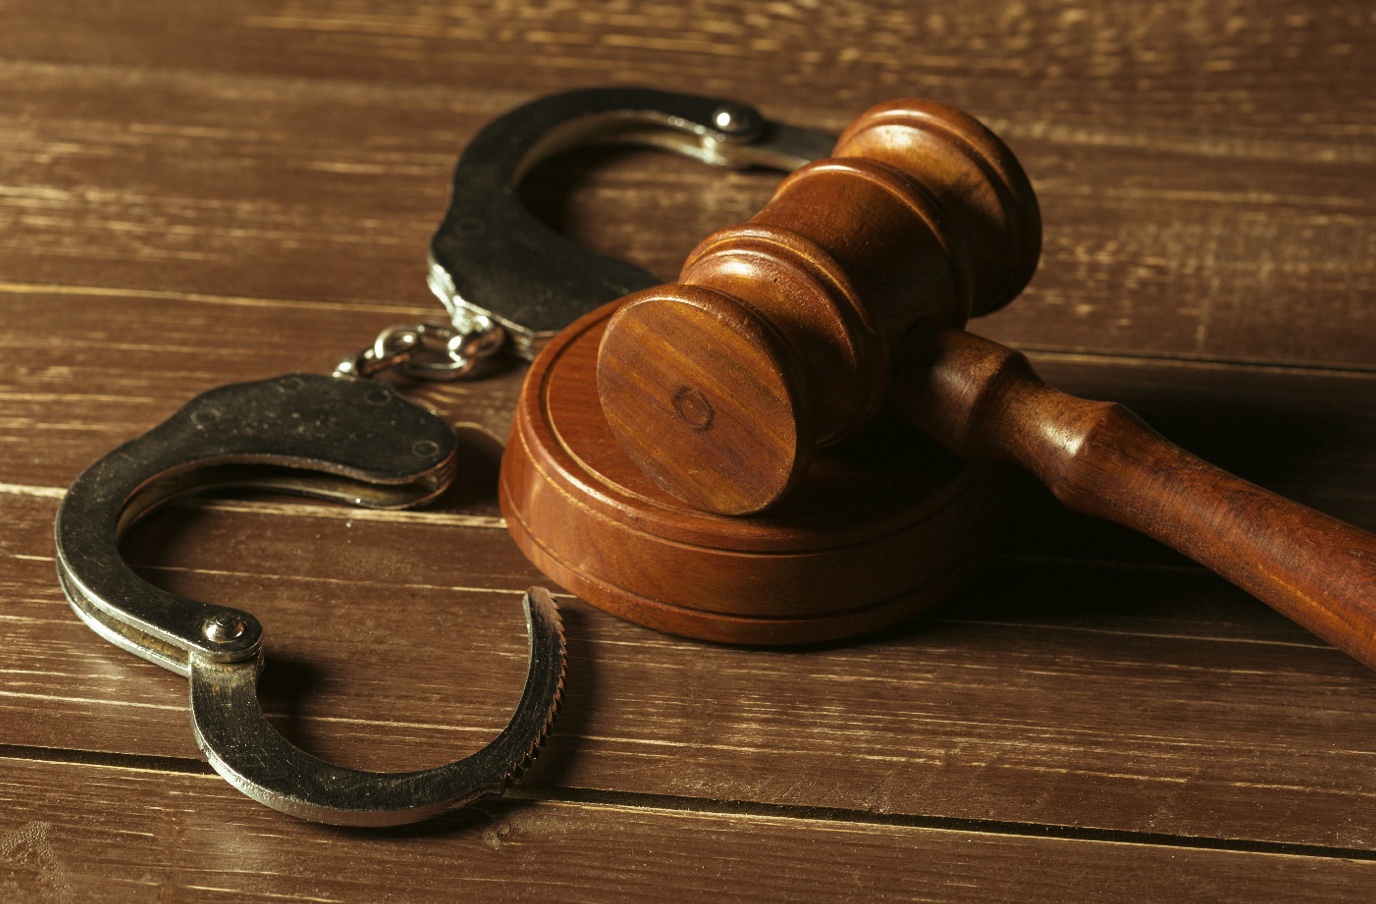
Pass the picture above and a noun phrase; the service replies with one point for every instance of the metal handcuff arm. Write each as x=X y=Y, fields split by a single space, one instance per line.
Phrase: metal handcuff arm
x=327 y=437
x=356 y=441
x=510 y=282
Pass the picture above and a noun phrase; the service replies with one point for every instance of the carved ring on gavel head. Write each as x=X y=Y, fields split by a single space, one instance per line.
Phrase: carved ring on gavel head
x=780 y=334
x=849 y=291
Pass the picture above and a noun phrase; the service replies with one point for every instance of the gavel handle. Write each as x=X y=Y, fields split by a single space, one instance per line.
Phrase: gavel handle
x=983 y=400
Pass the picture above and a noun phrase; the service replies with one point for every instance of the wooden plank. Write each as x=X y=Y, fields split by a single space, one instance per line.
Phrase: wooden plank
x=1128 y=699
x=176 y=181
x=1250 y=239
x=190 y=195
x=1110 y=66
x=1182 y=252
x=441 y=664
x=173 y=837
x=126 y=360
x=1115 y=261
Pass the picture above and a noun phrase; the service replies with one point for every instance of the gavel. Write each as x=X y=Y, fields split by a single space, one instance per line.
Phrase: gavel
x=849 y=292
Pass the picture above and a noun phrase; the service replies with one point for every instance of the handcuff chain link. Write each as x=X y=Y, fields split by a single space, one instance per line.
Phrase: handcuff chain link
x=426 y=351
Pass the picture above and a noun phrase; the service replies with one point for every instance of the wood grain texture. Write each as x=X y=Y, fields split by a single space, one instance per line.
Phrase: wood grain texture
x=984 y=401
x=194 y=194
x=1182 y=198
x=878 y=529
x=992 y=709
x=780 y=334
x=173 y=838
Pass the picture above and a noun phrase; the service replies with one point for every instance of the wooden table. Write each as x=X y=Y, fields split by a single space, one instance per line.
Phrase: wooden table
x=195 y=194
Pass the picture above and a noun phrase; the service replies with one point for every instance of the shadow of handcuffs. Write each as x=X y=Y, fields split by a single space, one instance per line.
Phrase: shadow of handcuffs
x=508 y=283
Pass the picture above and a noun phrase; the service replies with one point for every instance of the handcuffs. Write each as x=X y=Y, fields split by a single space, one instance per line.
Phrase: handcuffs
x=508 y=283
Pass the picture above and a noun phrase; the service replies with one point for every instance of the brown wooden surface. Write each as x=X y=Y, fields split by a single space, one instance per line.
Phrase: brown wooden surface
x=195 y=194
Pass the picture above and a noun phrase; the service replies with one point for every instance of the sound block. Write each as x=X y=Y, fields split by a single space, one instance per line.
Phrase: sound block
x=879 y=527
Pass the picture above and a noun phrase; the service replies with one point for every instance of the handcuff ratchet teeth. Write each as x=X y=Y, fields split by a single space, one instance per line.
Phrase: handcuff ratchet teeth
x=508 y=282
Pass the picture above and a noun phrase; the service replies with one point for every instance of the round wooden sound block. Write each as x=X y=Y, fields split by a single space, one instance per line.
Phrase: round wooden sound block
x=878 y=528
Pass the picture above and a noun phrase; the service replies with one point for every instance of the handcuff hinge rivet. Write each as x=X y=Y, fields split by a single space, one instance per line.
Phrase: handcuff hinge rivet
x=223 y=628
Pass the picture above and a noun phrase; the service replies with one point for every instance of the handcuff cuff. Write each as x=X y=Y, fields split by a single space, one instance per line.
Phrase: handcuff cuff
x=508 y=283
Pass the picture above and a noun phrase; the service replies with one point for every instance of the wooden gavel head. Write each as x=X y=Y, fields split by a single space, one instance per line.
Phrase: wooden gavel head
x=847 y=291
x=780 y=334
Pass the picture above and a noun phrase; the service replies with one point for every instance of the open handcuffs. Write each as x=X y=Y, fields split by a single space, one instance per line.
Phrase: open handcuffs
x=508 y=283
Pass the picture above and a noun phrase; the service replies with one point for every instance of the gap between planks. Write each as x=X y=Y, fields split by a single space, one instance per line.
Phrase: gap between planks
x=707 y=807
x=308 y=509
x=1048 y=354
x=237 y=301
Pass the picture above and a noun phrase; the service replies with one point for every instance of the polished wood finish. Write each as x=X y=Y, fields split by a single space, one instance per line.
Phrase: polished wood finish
x=983 y=400
x=779 y=333
x=864 y=264
x=867 y=540
x=194 y=194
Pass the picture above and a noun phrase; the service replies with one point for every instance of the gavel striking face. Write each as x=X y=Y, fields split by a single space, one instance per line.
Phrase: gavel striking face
x=781 y=333
x=849 y=291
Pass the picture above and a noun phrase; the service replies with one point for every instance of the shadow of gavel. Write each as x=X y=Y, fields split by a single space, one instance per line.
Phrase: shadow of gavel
x=849 y=291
